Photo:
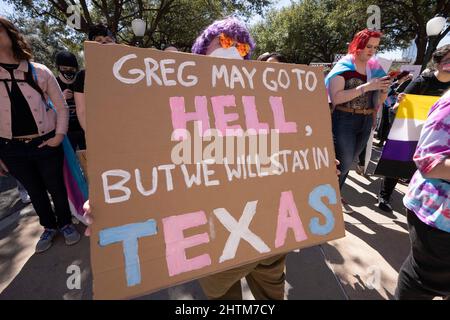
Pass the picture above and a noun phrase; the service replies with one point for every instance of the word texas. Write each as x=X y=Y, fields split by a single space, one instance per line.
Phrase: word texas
x=288 y=220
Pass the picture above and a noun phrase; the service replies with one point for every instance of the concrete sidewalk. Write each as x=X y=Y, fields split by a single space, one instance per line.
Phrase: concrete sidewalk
x=363 y=265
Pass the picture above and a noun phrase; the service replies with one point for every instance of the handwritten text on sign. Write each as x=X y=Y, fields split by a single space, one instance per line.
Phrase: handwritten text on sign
x=202 y=164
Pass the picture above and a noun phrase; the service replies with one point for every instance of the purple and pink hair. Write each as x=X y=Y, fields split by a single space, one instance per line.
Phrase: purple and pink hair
x=232 y=27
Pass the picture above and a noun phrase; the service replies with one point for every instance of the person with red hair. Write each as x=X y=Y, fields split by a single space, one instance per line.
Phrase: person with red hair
x=361 y=39
x=357 y=85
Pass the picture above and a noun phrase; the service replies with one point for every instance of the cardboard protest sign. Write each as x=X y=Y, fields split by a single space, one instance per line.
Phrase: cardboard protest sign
x=412 y=68
x=176 y=186
x=385 y=63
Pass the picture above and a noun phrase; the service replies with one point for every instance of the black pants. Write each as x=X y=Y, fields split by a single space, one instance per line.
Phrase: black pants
x=362 y=158
x=39 y=170
x=385 y=125
x=425 y=274
x=387 y=188
x=77 y=139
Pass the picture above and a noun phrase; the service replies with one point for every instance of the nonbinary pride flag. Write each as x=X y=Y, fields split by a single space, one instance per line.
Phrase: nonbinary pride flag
x=397 y=157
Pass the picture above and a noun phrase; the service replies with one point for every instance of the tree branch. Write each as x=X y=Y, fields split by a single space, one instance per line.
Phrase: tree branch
x=164 y=8
x=86 y=13
x=98 y=5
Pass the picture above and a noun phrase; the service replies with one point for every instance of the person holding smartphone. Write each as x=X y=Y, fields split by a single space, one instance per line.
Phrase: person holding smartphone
x=356 y=85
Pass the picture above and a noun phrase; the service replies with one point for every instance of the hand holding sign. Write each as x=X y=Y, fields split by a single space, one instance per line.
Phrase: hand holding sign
x=88 y=218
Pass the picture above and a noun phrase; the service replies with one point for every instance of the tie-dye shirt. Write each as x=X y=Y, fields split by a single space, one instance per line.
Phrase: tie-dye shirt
x=429 y=199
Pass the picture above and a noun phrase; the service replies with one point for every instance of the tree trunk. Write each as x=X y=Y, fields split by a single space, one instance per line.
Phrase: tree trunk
x=421 y=43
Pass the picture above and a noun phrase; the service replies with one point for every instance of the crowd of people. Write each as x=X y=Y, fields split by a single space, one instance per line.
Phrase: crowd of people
x=32 y=129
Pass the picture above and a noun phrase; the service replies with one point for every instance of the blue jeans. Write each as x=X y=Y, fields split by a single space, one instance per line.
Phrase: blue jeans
x=350 y=134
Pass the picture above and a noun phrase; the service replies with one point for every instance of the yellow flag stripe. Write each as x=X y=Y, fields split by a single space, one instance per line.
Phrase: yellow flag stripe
x=415 y=107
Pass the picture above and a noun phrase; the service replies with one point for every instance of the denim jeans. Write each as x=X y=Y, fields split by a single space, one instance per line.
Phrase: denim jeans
x=350 y=134
x=39 y=170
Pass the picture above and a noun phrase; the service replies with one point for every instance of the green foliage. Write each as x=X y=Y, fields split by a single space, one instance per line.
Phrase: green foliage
x=47 y=39
x=317 y=30
x=188 y=18
x=169 y=22
x=405 y=20
x=306 y=31
x=310 y=30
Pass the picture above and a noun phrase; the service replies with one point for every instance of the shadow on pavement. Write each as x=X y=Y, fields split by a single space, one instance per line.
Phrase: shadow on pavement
x=310 y=278
x=14 y=242
x=359 y=289
x=391 y=244
x=45 y=275
x=369 y=200
x=9 y=199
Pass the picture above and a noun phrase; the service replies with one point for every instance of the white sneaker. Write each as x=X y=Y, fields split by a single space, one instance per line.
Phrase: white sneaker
x=24 y=197
x=346 y=207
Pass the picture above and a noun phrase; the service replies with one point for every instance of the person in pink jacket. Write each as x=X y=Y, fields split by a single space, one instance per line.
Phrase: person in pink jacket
x=31 y=133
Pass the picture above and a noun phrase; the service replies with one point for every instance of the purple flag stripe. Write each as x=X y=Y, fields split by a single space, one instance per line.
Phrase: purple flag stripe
x=399 y=150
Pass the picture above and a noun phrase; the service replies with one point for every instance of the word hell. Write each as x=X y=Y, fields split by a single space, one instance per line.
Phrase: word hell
x=222 y=120
x=176 y=243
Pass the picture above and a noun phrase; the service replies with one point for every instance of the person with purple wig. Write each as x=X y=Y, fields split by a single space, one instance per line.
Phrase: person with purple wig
x=229 y=38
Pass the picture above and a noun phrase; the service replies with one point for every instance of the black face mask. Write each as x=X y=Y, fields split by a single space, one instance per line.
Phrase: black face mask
x=68 y=75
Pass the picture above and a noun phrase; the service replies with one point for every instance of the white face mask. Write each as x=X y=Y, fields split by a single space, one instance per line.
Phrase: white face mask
x=230 y=53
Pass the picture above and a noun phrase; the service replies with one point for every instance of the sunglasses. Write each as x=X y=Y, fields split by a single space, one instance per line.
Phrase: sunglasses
x=228 y=42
